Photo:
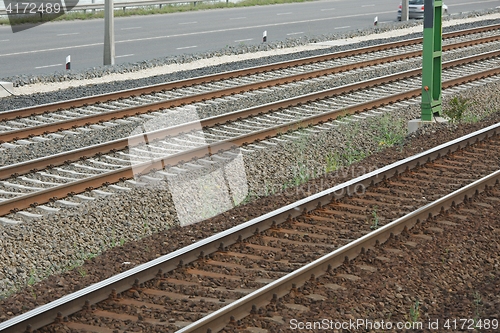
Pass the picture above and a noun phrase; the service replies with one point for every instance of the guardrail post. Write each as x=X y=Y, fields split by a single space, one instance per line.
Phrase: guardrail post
x=431 y=60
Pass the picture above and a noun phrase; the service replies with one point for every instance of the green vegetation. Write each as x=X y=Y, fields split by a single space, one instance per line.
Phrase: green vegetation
x=32 y=278
x=375 y=219
x=414 y=312
x=457 y=108
x=165 y=9
x=389 y=131
x=114 y=241
x=351 y=155
x=39 y=275
x=477 y=308
x=332 y=162
x=82 y=271
x=248 y=198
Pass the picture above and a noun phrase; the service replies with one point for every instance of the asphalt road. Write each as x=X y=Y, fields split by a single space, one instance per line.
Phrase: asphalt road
x=43 y=49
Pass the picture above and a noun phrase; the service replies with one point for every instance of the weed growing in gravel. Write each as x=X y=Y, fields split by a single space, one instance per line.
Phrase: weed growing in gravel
x=477 y=307
x=351 y=155
x=269 y=189
x=145 y=228
x=248 y=198
x=82 y=272
x=90 y=256
x=471 y=117
x=414 y=312
x=32 y=278
x=332 y=162
x=33 y=294
x=457 y=107
x=301 y=175
x=390 y=131
x=114 y=241
x=375 y=219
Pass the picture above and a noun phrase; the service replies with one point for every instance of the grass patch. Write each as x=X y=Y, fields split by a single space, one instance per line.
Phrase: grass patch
x=389 y=131
x=149 y=10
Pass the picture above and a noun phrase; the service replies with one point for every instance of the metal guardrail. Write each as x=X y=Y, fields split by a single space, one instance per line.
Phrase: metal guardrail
x=117 y=5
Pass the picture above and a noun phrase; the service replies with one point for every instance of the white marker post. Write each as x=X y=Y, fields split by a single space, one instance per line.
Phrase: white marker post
x=375 y=21
x=68 y=63
x=264 y=37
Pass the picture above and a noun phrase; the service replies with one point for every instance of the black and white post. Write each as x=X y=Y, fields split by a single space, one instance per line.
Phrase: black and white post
x=375 y=21
x=68 y=63
x=264 y=37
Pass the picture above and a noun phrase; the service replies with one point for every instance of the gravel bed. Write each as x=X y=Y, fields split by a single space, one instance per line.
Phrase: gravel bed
x=146 y=218
x=16 y=102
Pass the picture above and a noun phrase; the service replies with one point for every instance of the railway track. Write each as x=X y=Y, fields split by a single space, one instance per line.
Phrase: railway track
x=233 y=274
x=51 y=179
x=178 y=149
x=34 y=124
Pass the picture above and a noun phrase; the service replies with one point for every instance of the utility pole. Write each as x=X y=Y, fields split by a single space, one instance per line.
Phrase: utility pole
x=431 y=60
x=404 y=10
x=109 y=33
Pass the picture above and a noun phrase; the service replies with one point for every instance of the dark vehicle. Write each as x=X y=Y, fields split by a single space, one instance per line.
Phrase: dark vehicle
x=416 y=9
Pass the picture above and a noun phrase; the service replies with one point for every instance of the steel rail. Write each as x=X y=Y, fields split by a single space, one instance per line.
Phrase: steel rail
x=137 y=110
x=242 y=307
x=41 y=109
x=120 y=144
x=44 y=196
x=74 y=302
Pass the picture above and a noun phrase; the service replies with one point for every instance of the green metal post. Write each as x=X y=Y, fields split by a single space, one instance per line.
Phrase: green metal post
x=431 y=60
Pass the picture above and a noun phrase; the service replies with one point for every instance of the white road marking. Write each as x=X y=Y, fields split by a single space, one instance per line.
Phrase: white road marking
x=237 y=18
x=69 y=34
x=4 y=40
x=368 y=6
x=243 y=40
x=197 y=33
x=325 y=9
x=295 y=33
x=131 y=28
x=186 y=47
x=48 y=66
x=345 y=27
x=125 y=55
x=54 y=49
x=284 y=13
x=194 y=22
